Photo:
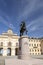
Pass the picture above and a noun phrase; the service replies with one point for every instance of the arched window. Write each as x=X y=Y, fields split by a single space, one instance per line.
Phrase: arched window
x=17 y=44
x=9 y=44
x=1 y=43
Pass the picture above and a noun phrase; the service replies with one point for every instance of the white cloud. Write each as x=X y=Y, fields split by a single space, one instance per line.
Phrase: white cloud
x=29 y=8
x=33 y=28
x=6 y=22
x=11 y=26
x=36 y=24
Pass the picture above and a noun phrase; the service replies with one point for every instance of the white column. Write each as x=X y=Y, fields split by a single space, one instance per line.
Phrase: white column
x=4 y=48
x=13 y=52
x=5 y=52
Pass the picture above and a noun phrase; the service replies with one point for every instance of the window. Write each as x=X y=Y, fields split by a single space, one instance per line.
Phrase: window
x=29 y=40
x=34 y=44
x=37 y=44
x=30 y=50
x=33 y=53
x=1 y=43
x=9 y=44
x=41 y=53
x=38 y=49
x=35 y=50
x=36 y=53
x=16 y=44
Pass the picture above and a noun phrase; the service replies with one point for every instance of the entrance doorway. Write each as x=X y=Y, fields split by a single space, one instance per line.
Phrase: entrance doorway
x=1 y=51
x=16 y=51
x=9 y=52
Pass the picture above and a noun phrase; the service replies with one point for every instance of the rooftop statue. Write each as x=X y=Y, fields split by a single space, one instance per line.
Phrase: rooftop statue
x=23 y=28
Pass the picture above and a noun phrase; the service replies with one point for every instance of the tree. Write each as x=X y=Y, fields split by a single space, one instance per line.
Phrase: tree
x=23 y=28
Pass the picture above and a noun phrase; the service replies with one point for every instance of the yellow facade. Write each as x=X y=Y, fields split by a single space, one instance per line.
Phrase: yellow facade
x=35 y=46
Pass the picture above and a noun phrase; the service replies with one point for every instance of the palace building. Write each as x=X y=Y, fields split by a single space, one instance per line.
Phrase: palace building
x=9 y=44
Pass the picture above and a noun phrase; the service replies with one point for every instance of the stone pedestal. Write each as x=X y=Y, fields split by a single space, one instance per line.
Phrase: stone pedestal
x=24 y=47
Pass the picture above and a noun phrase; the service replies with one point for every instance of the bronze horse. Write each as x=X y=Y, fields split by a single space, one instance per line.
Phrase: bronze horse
x=23 y=28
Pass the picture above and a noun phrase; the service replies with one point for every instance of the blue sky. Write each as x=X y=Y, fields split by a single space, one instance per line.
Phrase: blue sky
x=12 y=12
